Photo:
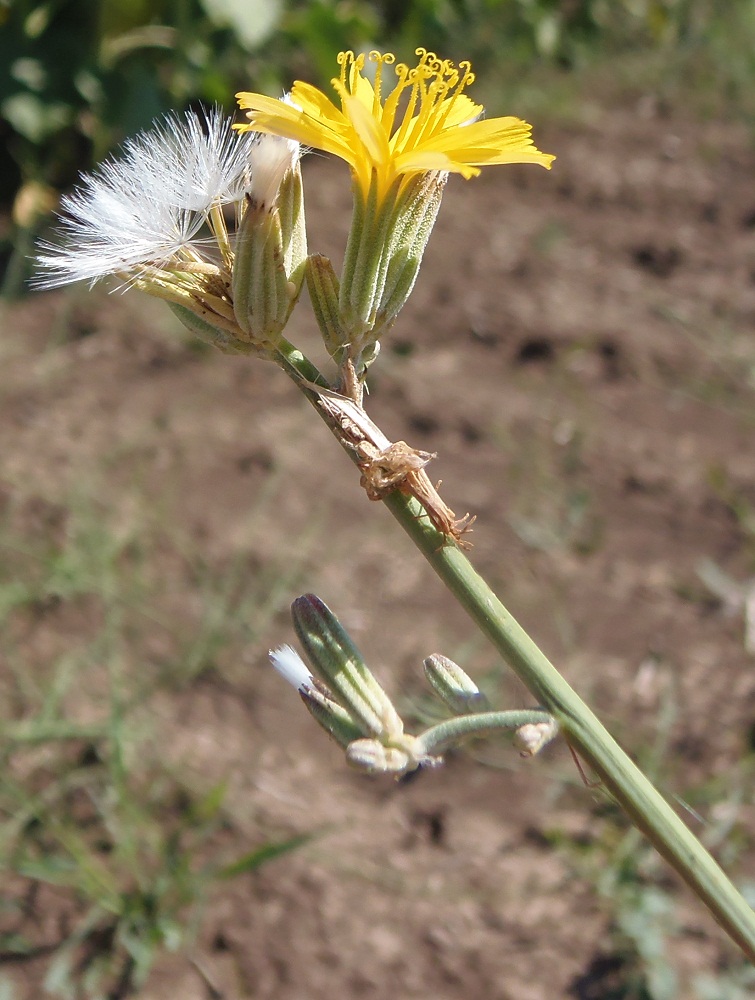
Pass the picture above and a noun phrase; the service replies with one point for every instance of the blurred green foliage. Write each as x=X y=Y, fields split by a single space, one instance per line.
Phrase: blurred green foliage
x=97 y=825
x=76 y=76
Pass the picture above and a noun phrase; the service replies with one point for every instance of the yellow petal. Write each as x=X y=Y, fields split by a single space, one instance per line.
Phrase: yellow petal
x=369 y=131
x=317 y=105
x=462 y=110
x=417 y=162
x=444 y=133
x=364 y=92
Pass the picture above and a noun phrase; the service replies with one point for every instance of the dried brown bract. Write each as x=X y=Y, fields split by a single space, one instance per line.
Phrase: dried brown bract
x=384 y=470
x=387 y=466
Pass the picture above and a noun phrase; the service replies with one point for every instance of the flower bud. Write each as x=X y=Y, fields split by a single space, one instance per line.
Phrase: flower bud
x=338 y=662
x=374 y=757
x=412 y=222
x=208 y=332
x=533 y=736
x=453 y=685
x=378 y=758
x=334 y=719
x=322 y=284
x=271 y=246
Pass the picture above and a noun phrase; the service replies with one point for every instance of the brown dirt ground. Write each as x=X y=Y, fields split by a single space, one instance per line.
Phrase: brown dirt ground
x=579 y=352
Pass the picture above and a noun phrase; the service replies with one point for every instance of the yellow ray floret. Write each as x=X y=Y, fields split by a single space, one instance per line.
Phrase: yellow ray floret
x=425 y=123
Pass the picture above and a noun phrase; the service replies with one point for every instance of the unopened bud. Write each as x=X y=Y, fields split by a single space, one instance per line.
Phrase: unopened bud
x=412 y=222
x=379 y=758
x=533 y=736
x=374 y=757
x=453 y=686
x=208 y=332
x=271 y=246
x=334 y=719
x=322 y=284
x=338 y=662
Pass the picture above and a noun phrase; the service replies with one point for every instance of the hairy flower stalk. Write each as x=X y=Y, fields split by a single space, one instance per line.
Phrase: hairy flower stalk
x=401 y=143
x=156 y=219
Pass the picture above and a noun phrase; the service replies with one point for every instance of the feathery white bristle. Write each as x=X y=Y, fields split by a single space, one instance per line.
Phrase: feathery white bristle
x=272 y=157
x=197 y=162
x=144 y=208
x=291 y=667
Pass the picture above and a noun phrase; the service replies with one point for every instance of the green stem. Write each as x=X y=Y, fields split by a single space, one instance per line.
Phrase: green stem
x=445 y=734
x=644 y=805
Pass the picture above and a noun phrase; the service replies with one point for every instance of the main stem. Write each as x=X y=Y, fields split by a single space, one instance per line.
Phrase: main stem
x=645 y=806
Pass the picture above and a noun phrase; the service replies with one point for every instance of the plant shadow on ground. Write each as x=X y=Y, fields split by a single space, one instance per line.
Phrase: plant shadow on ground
x=578 y=351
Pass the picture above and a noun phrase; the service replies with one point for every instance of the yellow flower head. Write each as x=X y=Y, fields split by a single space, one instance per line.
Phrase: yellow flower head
x=426 y=122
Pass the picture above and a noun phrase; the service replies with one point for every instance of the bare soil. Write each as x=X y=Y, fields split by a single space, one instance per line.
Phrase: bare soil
x=579 y=352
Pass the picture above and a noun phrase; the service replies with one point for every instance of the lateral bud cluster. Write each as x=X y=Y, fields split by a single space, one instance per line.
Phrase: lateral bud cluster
x=345 y=698
x=158 y=219
x=343 y=695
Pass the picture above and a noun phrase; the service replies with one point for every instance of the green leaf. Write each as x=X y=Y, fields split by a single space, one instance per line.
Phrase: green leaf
x=208 y=807
x=259 y=856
